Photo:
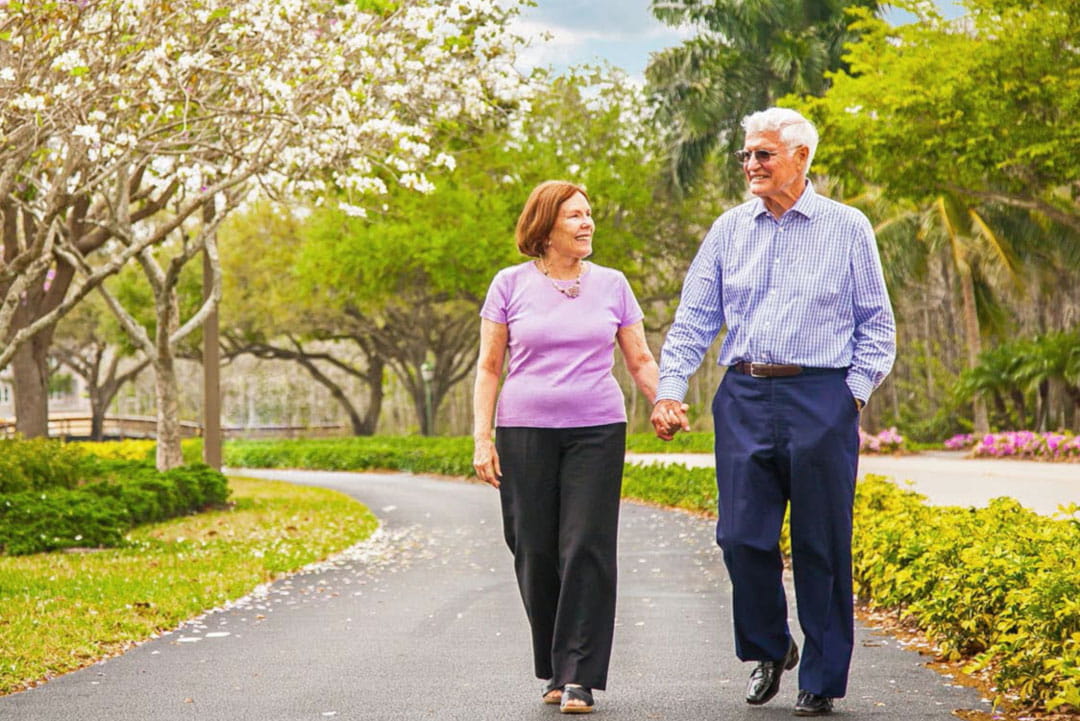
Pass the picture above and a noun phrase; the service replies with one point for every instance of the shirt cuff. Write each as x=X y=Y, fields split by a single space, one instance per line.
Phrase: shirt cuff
x=671 y=389
x=860 y=386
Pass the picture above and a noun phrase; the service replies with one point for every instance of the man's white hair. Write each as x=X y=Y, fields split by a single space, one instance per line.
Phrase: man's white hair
x=794 y=129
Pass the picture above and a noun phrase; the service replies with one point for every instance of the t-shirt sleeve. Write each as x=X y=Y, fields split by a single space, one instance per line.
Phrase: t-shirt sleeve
x=631 y=311
x=494 y=308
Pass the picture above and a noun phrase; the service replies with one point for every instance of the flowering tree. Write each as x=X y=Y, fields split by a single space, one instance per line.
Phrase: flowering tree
x=126 y=121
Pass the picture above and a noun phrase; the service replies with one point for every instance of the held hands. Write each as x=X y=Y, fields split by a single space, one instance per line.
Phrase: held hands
x=486 y=462
x=668 y=418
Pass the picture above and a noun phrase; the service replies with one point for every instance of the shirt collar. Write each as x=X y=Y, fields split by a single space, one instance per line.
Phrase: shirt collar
x=805 y=206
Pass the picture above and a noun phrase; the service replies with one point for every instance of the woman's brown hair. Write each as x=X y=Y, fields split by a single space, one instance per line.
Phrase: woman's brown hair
x=540 y=212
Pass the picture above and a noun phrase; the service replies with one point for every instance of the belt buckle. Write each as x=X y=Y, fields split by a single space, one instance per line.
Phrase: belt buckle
x=753 y=371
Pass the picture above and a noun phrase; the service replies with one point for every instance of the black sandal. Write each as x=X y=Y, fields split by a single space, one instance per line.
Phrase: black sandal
x=576 y=693
x=548 y=688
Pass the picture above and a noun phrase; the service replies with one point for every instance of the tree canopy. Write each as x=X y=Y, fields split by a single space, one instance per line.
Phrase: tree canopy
x=986 y=106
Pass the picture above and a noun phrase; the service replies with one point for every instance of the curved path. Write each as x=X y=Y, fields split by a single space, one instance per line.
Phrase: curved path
x=424 y=622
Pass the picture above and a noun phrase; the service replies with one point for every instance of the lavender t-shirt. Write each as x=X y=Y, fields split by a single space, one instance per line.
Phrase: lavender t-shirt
x=561 y=349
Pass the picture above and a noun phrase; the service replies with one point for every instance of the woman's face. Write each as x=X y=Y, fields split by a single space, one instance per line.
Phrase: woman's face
x=571 y=236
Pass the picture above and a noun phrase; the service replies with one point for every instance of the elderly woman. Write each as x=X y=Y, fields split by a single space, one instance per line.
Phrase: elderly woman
x=557 y=457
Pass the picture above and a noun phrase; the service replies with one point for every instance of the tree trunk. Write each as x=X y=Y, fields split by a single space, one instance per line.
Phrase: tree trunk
x=30 y=387
x=98 y=407
x=370 y=420
x=169 y=453
x=980 y=418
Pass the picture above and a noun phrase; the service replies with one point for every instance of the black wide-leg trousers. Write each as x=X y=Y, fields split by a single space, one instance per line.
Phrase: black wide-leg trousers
x=560 y=501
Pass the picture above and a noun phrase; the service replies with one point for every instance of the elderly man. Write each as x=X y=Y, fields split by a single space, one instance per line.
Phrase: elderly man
x=797 y=280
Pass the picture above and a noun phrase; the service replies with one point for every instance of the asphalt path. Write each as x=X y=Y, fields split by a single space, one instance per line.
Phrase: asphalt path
x=949 y=478
x=424 y=621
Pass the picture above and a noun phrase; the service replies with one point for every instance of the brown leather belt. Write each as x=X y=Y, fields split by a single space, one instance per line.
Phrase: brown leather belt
x=766 y=370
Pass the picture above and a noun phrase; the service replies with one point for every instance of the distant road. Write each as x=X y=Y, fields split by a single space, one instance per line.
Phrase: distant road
x=947 y=478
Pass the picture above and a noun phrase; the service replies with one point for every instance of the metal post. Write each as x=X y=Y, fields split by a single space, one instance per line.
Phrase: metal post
x=211 y=366
x=427 y=374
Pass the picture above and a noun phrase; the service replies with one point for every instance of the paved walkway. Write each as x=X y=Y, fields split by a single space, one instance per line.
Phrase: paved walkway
x=947 y=478
x=424 y=622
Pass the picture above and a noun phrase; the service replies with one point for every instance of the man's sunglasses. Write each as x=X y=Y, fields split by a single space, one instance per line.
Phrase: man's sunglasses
x=762 y=156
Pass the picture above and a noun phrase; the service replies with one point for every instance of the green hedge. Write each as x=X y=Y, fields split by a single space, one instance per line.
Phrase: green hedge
x=54 y=495
x=681 y=443
x=419 y=454
x=447 y=455
x=998 y=585
x=38 y=464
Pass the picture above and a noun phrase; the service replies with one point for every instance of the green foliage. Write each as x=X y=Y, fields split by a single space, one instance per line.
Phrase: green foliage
x=38 y=464
x=445 y=455
x=56 y=496
x=990 y=108
x=693 y=489
x=1011 y=376
x=996 y=585
x=34 y=521
x=681 y=443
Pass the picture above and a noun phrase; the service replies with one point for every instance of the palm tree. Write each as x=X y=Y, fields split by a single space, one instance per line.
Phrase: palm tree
x=749 y=54
x=977 y=255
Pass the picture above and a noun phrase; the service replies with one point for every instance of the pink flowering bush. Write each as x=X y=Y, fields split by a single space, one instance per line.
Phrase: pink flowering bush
x=960 y=441
x=1051 y=446
x=887 y=441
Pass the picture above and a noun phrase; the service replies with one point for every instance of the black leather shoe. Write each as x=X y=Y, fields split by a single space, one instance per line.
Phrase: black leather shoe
x=810 y=704
x=765 y=678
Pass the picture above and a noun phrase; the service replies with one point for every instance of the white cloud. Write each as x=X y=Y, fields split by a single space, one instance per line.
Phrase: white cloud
x=560 y=46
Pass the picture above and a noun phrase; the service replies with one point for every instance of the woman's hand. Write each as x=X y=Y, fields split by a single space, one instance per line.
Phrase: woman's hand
x=486 y=462
x=668 y=418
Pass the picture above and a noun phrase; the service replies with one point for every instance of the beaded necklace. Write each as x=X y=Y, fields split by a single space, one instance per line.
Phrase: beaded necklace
x=571 y=291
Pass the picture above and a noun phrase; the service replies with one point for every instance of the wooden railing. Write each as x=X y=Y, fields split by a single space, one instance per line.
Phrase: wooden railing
x=77 y=427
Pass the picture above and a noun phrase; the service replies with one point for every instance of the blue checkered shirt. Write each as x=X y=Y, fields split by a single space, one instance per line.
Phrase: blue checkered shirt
x=806 y=289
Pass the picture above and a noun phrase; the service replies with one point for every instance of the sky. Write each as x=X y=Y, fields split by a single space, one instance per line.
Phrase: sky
x=622 y=32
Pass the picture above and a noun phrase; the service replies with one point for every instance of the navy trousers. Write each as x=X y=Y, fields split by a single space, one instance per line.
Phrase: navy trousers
x=782 y=441
x=560 y=500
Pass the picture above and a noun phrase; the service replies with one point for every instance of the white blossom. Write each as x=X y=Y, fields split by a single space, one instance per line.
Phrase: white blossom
x=353 y=211
x=30 y=102
x=417 y=182
x=287 y=95
x=444 y=160
x=89 y=133
x=68 y=61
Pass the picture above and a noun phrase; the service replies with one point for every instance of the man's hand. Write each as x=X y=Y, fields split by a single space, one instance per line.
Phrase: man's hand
x=668 y=418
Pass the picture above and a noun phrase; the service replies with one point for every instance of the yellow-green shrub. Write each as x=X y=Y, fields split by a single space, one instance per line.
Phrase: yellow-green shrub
x=126 y=450
x=998 y=585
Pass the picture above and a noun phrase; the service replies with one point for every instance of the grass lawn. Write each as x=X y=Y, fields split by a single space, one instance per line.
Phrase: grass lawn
x=62 y=611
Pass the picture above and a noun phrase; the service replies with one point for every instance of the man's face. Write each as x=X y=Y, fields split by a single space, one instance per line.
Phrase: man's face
x=773 y=177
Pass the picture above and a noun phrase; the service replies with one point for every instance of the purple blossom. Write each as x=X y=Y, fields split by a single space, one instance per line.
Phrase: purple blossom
x=960 y=441
x=1054 y=446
